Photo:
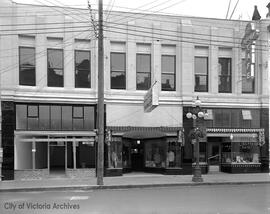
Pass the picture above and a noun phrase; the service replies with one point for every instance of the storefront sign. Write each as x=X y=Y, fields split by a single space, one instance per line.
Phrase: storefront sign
x=151 y=98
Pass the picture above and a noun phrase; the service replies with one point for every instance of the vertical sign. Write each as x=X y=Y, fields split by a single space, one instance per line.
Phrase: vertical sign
x=151 y=98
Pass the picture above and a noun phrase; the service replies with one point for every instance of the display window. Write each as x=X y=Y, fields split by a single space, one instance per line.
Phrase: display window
x=115 y=155
x=240 y=152
x=173 y=159
x=155 y=154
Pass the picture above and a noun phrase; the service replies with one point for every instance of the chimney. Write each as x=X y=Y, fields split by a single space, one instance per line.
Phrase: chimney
x=256 y=14
x=268 y=14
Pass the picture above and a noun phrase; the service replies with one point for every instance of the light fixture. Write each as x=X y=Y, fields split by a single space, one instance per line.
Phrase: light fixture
x=231 y=136
x=138 y=142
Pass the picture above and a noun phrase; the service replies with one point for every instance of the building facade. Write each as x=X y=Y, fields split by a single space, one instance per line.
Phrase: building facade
x=49 y=93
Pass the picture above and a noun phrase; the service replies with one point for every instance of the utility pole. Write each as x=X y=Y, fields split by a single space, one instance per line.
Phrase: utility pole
x=100 y=147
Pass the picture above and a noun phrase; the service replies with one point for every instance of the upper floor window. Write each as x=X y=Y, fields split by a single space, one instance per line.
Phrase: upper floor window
x=27 y=66
x=248 y=83
x=168 y=73
x=118 y=70
x=143 y=67
x=82 y=69
x=201 y=74
x=225 y=75
x=55 y=68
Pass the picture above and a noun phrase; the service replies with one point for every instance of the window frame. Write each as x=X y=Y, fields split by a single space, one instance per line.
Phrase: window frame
x=200 y=74
x=167 y=73
x=118 y=71
x=55 y=49
x=27 y=47
x=75 y=67
x=150 y=63
x=230 y=75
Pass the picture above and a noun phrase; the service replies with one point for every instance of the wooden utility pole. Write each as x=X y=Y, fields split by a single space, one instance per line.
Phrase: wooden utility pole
x=100 y=147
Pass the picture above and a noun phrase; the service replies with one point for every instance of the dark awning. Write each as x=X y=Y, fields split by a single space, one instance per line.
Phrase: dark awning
x=144 y=134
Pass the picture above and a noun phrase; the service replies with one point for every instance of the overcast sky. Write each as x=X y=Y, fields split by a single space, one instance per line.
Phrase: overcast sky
x=203 y=8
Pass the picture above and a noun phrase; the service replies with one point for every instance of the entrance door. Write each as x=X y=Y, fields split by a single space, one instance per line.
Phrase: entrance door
x=137 y=155
x=57 y=158
x=214 y=156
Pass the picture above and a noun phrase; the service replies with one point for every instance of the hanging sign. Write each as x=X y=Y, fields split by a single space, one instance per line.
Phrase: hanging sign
x=151 y=98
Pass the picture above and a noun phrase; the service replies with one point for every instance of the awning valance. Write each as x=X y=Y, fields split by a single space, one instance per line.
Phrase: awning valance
x=144 y=134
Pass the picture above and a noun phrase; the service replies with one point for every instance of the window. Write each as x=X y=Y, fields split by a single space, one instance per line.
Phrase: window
x=143 y=71
x=224 y=85
x=248 y=83
x=27 y=67
x=82 y=69
x=201 y=74
x=55 y=68
x=168 y=73
x=118 y=70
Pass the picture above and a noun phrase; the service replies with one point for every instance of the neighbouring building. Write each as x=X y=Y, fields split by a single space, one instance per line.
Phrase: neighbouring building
x=49 y=93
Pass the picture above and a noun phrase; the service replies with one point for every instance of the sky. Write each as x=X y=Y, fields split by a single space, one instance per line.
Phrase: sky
x=202 y=8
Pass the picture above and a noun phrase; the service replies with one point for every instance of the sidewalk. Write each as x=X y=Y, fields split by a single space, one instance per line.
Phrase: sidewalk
x=132 y=181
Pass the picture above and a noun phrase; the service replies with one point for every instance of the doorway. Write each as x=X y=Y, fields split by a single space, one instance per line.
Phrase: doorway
x=214 y=156
x=57 y=154
x=137 y=155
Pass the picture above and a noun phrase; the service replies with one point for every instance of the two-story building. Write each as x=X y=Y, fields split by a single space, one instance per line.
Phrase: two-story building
x=49 y=93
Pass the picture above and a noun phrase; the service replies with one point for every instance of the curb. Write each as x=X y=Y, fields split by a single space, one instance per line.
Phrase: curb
x=128 y=186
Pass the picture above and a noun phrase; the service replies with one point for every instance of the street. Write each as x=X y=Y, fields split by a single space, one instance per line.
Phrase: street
x=252 y=198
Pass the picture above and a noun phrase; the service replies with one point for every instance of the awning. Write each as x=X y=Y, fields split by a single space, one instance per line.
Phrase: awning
x=144 y=134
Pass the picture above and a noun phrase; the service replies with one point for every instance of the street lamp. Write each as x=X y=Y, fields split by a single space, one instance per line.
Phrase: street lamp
x=196 y=133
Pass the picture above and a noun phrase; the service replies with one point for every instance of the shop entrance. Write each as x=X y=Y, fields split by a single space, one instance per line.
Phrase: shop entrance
x=214 y=151
x=57 y=158
x=137 y=155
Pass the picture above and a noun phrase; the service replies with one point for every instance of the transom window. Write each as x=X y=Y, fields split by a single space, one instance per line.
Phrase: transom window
x=201 y=74
x=143 y=67
x=82 y=69
x=55 y=68
x=118 y=70
x=224 y=72
x=27 y=66
x=168 y=73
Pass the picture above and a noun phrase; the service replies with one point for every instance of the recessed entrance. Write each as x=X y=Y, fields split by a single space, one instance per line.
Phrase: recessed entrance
x=137 y=155
x=57 y=158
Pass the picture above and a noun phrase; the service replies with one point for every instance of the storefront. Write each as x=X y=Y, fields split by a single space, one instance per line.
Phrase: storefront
x=48 y=140
x=146 y=149
x=49 y=153
x=236 y=150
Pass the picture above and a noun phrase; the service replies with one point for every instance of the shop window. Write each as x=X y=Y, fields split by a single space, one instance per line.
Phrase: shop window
x=248 y=83
x=155 y=154
x=24 y=155
x=201 y=74
x=82 y=69
x=55 y=68
x=126 y=154
x=118 y=71
x=143 y=67
x=173 y=156
x=241 y=153
x=27 y=66
x=114 y=155
x=168 y=73
x=85 y=155
x=224 y=72
x=202 y=155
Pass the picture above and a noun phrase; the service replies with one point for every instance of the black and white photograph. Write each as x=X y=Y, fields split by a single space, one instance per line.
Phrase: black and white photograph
x=134 y=107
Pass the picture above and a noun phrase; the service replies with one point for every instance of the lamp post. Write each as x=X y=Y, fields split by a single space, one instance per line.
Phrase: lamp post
x=196 y=133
